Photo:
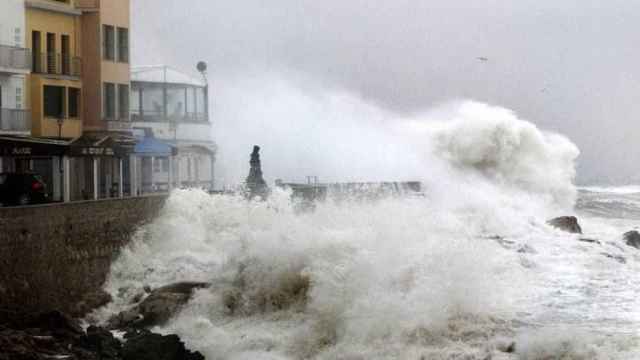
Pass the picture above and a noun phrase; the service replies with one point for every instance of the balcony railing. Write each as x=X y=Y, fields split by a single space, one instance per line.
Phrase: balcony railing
x=155 y=116
x=57 y=64
x=15 y=120
x=15 y=58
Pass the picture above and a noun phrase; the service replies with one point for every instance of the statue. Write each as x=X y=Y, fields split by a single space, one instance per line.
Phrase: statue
x=255 y=184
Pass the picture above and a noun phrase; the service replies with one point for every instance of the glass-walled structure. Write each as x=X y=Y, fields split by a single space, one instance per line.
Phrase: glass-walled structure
x=161 y=94
x=172 y=107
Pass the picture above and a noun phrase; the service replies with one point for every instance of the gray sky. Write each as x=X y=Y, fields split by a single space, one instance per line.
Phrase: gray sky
x=567 y=65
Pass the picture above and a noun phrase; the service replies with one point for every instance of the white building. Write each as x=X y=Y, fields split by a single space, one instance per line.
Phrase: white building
x=173 y=107
x=15 y=64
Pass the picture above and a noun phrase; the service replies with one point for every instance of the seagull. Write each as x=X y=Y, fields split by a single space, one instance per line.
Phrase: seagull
x=482 y=58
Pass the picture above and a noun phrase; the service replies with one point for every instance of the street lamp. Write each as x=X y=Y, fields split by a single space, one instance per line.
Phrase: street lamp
x=202 y=69
x=60 y=121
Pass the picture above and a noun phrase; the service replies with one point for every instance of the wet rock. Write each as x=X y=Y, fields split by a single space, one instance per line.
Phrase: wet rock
x=632 y=238
x=144 y=345
x=49 y=335
x=566 y=223
x=90 y=302
x=54 y=335
x=101 y=342
x=158 y=307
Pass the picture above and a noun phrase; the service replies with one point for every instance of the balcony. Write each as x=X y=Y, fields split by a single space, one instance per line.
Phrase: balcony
x=87 y=4
x=15 y=120
x=57 y=64
x=14 y=59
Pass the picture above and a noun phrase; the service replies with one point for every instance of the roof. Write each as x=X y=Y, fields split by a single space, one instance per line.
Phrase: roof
x=163 y=74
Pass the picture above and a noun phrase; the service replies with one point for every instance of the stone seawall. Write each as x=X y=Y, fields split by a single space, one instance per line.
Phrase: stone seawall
x=58 y=256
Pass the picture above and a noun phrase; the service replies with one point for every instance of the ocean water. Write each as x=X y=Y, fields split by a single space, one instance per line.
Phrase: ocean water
x=460 y=272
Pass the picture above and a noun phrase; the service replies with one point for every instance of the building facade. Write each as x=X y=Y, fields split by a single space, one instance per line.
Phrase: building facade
x=55 y=83
x=105 y=50
x=174 y=107
x=15 y=65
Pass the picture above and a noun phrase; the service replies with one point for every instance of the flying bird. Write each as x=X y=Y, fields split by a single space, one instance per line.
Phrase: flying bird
x=482 y=58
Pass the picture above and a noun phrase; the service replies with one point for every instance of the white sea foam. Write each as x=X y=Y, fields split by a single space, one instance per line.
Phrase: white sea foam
x=629 y=189
x=403 y=278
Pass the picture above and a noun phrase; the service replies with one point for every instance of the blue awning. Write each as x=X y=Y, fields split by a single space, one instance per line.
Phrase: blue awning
x=149 y=146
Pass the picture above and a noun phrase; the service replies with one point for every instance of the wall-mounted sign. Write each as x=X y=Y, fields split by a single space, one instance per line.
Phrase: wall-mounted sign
x=91 y=151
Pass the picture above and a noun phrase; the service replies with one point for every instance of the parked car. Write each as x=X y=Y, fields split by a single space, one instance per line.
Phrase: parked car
x=22 y=189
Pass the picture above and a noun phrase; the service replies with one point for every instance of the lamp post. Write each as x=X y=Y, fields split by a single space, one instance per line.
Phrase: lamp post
x=60 y=121
x=202 y=69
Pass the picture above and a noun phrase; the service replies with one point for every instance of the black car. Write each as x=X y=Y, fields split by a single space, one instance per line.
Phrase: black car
x=22 y=189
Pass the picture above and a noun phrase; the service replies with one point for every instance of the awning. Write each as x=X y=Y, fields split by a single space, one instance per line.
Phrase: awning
x=150 y=146
x=100 y=146
x=26 y=146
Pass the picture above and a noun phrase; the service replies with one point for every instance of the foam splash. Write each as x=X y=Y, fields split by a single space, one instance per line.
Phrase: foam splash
x=393 y=278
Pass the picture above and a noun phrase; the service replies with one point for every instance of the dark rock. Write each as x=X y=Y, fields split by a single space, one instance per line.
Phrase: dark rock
x=592 y=241
x=184 y=287
x=53 y=335
x=157 y=308
x=144 y=345
x=91 y=301
x=566 y=223
x=101 y=342
x=632 y=238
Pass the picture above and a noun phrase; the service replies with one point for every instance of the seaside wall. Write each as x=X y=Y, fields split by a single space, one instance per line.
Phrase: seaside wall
x=58 y=256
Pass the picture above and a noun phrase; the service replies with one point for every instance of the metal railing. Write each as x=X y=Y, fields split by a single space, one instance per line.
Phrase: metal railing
x=154 y=116
x=57 y=64
x=15 y=120
x=15 y=57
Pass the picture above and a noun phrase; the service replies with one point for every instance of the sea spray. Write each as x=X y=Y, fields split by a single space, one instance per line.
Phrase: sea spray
x=399 y=277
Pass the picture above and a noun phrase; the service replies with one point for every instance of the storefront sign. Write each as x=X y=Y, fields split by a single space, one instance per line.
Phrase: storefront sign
x=97 y=151
x=20 y=151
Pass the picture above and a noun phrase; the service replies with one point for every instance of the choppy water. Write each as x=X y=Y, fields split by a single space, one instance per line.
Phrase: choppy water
x=452 y=274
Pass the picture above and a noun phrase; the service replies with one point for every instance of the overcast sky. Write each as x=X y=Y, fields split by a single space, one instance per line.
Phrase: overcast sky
x=569 y=66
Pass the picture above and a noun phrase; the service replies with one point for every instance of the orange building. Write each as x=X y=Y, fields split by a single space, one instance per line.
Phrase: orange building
x=105 y=52
x=55 y=84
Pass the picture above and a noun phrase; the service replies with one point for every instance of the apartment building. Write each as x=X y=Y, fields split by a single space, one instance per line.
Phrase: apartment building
x=15 y=65
x=55 y=83
x=105 y=50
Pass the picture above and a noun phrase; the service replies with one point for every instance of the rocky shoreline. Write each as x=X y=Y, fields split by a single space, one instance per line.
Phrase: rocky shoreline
x=54 y=335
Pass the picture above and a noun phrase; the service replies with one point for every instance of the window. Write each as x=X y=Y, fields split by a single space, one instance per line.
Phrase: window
x=109 y=101
x=74 y=102
x=54 y=101
x=135 y=102
x=123 y=45
x=36 y=53
x=66 y=58
x=108 y=42
x=157 y=166
x=51 y=54
x=153 y=103
x=123 y=102
x=165 y=165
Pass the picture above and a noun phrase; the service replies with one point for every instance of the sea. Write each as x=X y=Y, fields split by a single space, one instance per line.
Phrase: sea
x=466 y=269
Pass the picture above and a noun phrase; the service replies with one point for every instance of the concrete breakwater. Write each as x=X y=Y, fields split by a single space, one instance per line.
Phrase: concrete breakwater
x=58 y=256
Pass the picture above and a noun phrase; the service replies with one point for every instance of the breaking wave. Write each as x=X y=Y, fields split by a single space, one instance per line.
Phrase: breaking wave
x=446 y=275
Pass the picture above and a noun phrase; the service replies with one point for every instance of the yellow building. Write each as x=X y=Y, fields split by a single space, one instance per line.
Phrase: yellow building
x=105 y=53
x=55 y=96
